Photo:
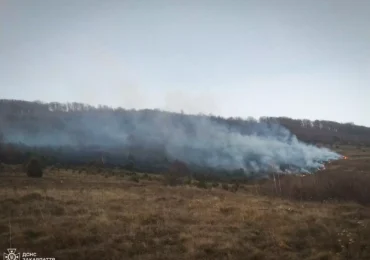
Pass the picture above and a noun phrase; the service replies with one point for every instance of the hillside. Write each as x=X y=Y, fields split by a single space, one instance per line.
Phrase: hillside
x=37 y=115
x=76 y=134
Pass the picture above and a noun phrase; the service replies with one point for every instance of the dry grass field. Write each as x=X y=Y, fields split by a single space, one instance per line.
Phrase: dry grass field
x=112 y=215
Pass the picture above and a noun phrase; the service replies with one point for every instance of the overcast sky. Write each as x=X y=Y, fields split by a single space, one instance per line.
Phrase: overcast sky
x=296 y=58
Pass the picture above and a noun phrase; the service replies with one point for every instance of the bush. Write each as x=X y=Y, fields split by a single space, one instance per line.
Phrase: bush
x=188 y=181
x=34 y=169
x=130 y=165
x=235 y=187
x=147 y=177
x=131 y=173
x=134 y=178
x=177 y=174
x=172 y=180
x=215 y=184
x=202 y=185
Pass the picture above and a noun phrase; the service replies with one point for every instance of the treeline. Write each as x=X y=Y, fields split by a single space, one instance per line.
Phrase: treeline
x=327 y=132
x=33 y=115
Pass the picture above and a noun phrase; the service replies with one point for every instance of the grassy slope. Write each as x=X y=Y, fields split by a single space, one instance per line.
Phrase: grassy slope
x=72 y=215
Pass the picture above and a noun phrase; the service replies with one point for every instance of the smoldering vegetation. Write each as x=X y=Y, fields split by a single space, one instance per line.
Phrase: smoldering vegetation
x=78 y=133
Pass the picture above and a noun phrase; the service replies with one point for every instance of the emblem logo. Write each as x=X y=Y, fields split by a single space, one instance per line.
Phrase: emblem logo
x=11 y=255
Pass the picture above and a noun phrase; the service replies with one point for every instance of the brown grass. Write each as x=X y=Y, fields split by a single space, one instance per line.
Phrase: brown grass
x=324 y=186
x=108 y=216
x=343 y=180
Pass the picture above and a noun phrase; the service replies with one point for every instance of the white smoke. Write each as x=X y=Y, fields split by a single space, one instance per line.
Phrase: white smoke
x=264 y=148
x=252 y=145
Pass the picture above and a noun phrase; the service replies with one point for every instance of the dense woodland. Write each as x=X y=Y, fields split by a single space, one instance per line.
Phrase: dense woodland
x=48 y=126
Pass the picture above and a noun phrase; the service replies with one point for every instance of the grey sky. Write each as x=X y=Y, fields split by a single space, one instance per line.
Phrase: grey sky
x=302 y=59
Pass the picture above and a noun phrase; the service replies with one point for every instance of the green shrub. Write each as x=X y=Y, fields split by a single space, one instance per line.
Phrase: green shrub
x=235 y=187
x=134 y=178
x=172 y=179
x=130 y=165
x=147 y=177
x=131 y=173
x=188 y=181
x=34 y=169
x=202 y=185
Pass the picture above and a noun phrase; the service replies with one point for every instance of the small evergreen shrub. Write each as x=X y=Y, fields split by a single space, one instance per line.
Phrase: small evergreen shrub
x=34 y=169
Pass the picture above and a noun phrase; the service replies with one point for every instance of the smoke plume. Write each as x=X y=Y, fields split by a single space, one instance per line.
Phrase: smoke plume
x=255 y=146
